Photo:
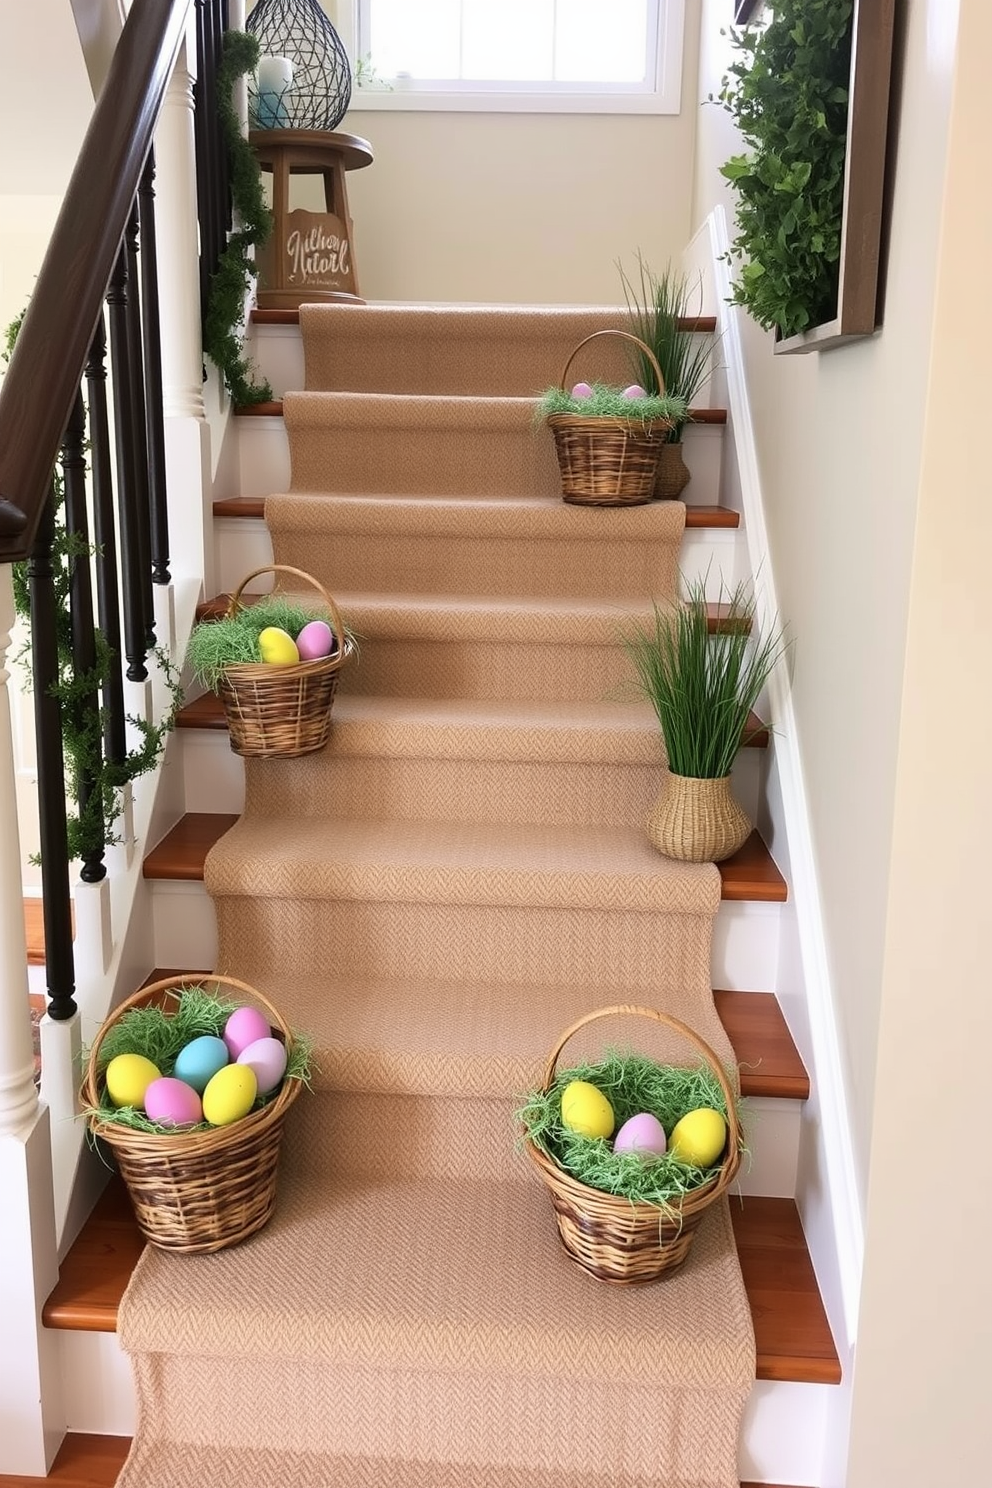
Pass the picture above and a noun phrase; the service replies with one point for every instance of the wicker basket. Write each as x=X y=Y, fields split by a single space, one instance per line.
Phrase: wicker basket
x=614 y=1238
x=282 y=711
x=197 y=1191
x=608 y=461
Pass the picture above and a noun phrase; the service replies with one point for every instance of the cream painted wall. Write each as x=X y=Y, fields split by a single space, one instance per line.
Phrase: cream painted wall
x=839 y=444
x=520 y=208
x=921 y=1382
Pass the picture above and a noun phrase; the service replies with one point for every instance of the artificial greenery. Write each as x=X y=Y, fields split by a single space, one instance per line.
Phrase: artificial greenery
x=90 y=826
x=159 y=1033
x=788 y=93
x=224 y=319
x=701 y=686
x=658 y=305
x=609 y=402
x=631 y=1084
x=232 y=640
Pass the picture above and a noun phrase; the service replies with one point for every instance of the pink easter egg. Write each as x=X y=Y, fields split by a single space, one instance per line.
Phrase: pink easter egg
x=315 y=640
x=582 y=390
x=267 y=1057
x=643 y=1134
x=634 y=391
x=243 y=1027
x=171 y=1102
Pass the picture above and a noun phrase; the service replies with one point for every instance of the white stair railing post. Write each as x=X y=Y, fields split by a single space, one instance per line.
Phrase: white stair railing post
x=31 y=1414
x=187 y=439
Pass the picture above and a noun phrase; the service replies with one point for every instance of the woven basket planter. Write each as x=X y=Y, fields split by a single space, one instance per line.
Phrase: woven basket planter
x=614 y=1238
x=282 y=711
x=673 y=473
x=608 y=461
x=197 y=1191
x=696 y=820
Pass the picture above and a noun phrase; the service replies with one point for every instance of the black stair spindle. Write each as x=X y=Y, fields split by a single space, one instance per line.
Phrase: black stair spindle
x=60 y=970
x=84 y=709
x=152 y=356
x=204 y=173
x=143 y=520
x=226 y=218
x=105 y=539
x=221 y=191
x=135 y=642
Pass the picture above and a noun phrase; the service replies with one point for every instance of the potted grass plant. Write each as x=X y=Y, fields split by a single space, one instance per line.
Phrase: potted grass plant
x=702 y=688
x=662 y=307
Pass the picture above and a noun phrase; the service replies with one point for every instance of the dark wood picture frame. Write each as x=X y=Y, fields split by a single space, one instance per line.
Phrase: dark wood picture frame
x=744 y=10
x=873 y=25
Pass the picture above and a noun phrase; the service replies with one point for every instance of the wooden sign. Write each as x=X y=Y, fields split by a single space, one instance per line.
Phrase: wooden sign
x=317 y=253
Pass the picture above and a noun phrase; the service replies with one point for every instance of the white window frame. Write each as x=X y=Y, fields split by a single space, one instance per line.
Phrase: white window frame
x=410 y=97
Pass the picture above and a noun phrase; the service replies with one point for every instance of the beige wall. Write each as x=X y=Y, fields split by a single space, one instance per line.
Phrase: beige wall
x=921 y=1382
x=839 y=443
x=525 y=208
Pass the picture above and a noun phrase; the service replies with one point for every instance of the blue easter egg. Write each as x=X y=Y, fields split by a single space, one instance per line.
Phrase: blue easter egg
x=199 y=1061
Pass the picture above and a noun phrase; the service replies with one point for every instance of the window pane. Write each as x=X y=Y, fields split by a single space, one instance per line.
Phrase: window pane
x=601 y=41
x=421 y=39
x=512 y=40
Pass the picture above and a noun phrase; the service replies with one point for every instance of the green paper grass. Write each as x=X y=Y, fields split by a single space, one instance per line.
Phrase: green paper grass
x=631 y=1083
x=160 y=1033
x=233 y=639
x=609 y=402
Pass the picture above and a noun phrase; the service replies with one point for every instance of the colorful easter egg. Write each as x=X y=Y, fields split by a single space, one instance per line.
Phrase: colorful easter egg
x=315 y=640
x=586 y=1110
x=230 y=1095
x=128 y=1077
x=171 y=1102
x=199 y=1060
x=276 y=647
x=267 y=1057
x=643 y=1134
x=243 y=1027
x=699 y=1138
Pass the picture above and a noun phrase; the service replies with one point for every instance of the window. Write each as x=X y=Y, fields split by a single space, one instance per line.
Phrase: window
x=536 y=55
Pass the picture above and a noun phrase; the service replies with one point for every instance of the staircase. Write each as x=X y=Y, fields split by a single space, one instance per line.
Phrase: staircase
x=448 y=664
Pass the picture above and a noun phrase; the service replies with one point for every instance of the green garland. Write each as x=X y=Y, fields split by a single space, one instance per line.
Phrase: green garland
x=224 y=320
x=88 y=828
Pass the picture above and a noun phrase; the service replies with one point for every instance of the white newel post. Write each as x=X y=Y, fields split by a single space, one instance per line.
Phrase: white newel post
x=186 y=432
x=31 y=1414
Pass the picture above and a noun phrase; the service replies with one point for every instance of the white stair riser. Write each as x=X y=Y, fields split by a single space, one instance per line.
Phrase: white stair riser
x=263 y=447
x=213 y=778
x=717 y=555
x=781 y=1435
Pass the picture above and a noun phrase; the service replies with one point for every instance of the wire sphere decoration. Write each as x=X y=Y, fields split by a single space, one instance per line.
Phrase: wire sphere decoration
x=304 y=76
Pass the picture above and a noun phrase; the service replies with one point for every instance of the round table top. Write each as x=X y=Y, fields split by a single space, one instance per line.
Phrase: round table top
x=353 y=151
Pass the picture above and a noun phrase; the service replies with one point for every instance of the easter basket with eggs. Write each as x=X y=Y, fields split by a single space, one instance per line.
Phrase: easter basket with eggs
x=609 y=440
x=190 y=1091
x=633 y=1152
x=275 y=664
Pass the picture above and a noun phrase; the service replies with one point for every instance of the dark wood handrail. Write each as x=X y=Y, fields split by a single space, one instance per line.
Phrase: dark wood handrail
x=51 y=352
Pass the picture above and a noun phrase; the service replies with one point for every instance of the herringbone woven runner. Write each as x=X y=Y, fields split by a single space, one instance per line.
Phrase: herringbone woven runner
x=458 y=876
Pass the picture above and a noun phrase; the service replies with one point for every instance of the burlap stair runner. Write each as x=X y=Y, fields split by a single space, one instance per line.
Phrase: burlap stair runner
x=434 y=897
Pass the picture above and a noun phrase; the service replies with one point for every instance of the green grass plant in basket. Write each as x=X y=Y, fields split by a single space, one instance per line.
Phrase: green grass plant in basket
x=633 y=1151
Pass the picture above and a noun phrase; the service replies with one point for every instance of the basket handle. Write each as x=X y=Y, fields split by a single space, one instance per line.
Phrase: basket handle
x=170 y=984
x=679 y=1027
x=234 y=604
x=627 y=336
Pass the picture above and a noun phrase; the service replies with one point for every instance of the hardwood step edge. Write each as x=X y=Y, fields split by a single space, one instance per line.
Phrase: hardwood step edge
x=252 y=508
x=274 y=409
x=751 y=874
x=213 y=609
x=85 y=1460
x=778 y=1276
x=704 y=324
x=207 y=712
x=753 y=1022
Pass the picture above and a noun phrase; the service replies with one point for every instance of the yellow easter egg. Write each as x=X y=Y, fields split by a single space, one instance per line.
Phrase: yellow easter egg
x=276 y=647
x=128 y=1077
x=699 y=1138
x=585 y=1110
x=230 y=1094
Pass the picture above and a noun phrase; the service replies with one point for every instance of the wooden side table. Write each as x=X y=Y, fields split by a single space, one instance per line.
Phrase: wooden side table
x=310 y=255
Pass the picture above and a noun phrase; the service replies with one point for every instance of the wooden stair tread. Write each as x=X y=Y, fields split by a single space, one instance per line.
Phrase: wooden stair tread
x=251 y=508
x=770 y=1062
x=705 y=324
x=34 y=928
x=207 y=712
x=791 y=1330
x=273 y=409
x=88 y=1461
x=180 y=855
x=213 y=609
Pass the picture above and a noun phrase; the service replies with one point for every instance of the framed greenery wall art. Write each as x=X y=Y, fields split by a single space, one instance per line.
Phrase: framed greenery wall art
x=809 y=92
